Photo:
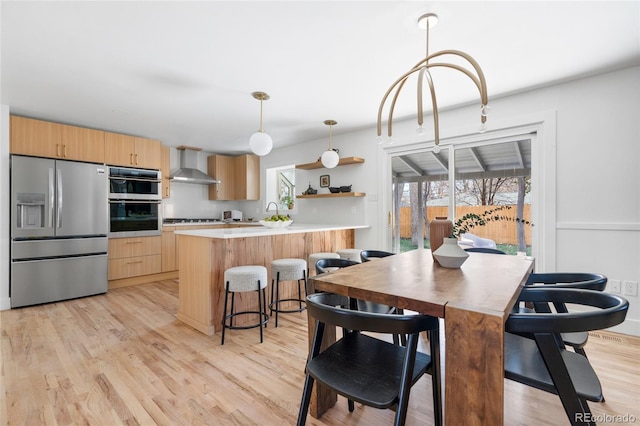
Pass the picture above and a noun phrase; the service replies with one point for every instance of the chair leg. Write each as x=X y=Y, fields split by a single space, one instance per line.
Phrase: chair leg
x=224 y=314
x=306 y=399
x=436 y=376
x=352 y=405
x=405 y=383
x=299 y=295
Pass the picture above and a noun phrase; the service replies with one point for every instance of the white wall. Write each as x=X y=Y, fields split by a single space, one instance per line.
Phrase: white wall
x=597 y=178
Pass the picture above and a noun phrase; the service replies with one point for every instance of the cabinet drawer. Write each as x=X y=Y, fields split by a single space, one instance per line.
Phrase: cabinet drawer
x=134 y=266
x=135 y=246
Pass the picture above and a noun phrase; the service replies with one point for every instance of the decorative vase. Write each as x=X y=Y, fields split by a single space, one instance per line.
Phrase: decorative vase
x=450 y=254
x=439 y=228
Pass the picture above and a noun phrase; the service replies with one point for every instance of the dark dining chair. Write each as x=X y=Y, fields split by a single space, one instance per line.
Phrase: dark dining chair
x=541 y=362
x=573 y=280
x=367 y=255
x=365 y=369
x=328 y=265
x=484 y=250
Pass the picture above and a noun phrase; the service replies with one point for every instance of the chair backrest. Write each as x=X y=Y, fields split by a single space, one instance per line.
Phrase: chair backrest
x=367 y=255
x=611 y=311
x=334 y=309
x=484 y=250
x=323 y=265
x=576 y=280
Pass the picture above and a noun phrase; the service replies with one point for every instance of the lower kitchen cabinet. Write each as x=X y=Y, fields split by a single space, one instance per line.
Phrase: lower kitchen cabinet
x=131 y=257
x=169 y=255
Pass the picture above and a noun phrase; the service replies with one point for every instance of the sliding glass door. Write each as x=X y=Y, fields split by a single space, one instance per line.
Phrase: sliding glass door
x=487 y=182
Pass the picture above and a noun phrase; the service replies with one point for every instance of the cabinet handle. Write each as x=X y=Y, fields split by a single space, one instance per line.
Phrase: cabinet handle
x=136 y=155
x=137 y=261
x=134 y=242
x=57 y=150
x=64 y=151
x=389 y=222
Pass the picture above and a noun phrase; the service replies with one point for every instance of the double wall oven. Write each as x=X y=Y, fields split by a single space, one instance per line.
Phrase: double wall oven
x=135 y=199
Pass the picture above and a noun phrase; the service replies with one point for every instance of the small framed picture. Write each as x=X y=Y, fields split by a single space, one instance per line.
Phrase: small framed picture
x=324 y=181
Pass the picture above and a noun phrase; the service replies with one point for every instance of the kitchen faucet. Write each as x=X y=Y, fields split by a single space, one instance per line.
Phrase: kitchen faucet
x=276 y=204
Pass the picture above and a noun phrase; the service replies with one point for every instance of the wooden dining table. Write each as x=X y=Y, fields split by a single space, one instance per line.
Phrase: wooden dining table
x=474 y=302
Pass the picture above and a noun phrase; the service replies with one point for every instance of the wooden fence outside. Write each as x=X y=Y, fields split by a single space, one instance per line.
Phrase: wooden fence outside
x=502 y=232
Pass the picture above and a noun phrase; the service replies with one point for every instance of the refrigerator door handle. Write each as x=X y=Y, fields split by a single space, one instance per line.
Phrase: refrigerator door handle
x=59 y=208
x=51 y=199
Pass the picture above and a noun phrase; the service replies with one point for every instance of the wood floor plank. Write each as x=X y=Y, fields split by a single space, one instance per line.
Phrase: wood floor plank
x=124 y=358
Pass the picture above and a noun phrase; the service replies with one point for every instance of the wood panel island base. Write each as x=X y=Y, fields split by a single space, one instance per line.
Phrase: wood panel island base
x=204 y=255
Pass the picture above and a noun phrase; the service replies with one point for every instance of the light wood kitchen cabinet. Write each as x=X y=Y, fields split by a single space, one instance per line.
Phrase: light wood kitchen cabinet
x=239 y=177
x=247 y=177
x=222 y=168
x=132 y=151
x=130 y=257
x=169 y=253
x=53 y=140
x=166 y=171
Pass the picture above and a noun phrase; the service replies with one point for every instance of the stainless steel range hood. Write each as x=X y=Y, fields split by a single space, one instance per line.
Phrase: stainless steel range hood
x=188 y=171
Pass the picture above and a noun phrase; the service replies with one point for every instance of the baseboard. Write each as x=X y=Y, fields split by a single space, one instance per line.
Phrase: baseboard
x=142 y=279
x=629 y=326
x=5 y=304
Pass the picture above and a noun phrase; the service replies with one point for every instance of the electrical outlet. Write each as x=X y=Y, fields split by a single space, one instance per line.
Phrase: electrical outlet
x=630 y=288
x=614 y=286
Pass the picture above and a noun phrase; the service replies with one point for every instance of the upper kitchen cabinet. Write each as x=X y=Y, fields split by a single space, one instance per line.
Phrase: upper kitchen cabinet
x=221 y=167
x=53 y=140
x=132 y=151
x=166 y=171
x=239 y=177
x=247 y=177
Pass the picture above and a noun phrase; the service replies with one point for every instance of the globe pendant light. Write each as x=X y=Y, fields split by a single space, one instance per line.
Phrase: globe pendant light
x=260 y=142
x=330 y=157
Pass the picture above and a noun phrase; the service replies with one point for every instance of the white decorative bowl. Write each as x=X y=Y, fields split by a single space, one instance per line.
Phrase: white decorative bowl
x=276 y=223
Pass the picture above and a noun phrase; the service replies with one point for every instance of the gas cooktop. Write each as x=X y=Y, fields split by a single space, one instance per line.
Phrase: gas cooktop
x=187 y=220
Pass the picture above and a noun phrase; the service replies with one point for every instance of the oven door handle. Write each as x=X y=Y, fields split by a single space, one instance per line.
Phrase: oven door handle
x=124 y=179
x=135 y=201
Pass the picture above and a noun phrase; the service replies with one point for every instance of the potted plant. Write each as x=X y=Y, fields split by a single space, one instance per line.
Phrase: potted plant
x=471 y=220
x=287 y=200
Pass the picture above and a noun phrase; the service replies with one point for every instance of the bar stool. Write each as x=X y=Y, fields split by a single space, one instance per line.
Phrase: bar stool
x=242 y=279
x=350 y=254
x=287 y=270
x=314 y=257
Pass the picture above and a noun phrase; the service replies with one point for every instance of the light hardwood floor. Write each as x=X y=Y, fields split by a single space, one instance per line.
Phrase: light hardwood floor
x=123 y=358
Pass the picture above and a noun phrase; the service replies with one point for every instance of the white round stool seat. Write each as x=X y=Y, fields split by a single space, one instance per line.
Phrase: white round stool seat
x=289 y=269
x=245 y=278
x=350 y=254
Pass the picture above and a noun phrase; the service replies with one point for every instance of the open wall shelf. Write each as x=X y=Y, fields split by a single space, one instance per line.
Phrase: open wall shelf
x=318 y=165
x=332 y=195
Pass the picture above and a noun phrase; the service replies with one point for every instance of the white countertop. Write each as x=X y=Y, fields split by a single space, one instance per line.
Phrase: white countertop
x=260 y=231
x=213 y=223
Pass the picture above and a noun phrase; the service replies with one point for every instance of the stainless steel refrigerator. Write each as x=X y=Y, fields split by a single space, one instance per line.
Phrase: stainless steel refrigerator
x=59 y=228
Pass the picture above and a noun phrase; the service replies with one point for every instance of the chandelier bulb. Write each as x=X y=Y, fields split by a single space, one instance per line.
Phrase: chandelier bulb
x=390 y=140
x=379 y=140
x=482 y=128
x=420 y=130
x=436 y=149
x=485 y=110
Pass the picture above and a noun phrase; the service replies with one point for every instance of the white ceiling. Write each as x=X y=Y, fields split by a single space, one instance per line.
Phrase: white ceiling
x=183 y=72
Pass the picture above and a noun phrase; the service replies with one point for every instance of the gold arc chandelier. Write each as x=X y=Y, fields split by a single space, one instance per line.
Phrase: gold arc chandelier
x=423 y=67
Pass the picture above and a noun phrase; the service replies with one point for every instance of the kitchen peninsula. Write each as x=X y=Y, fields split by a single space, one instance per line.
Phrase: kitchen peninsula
x=204 y=255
